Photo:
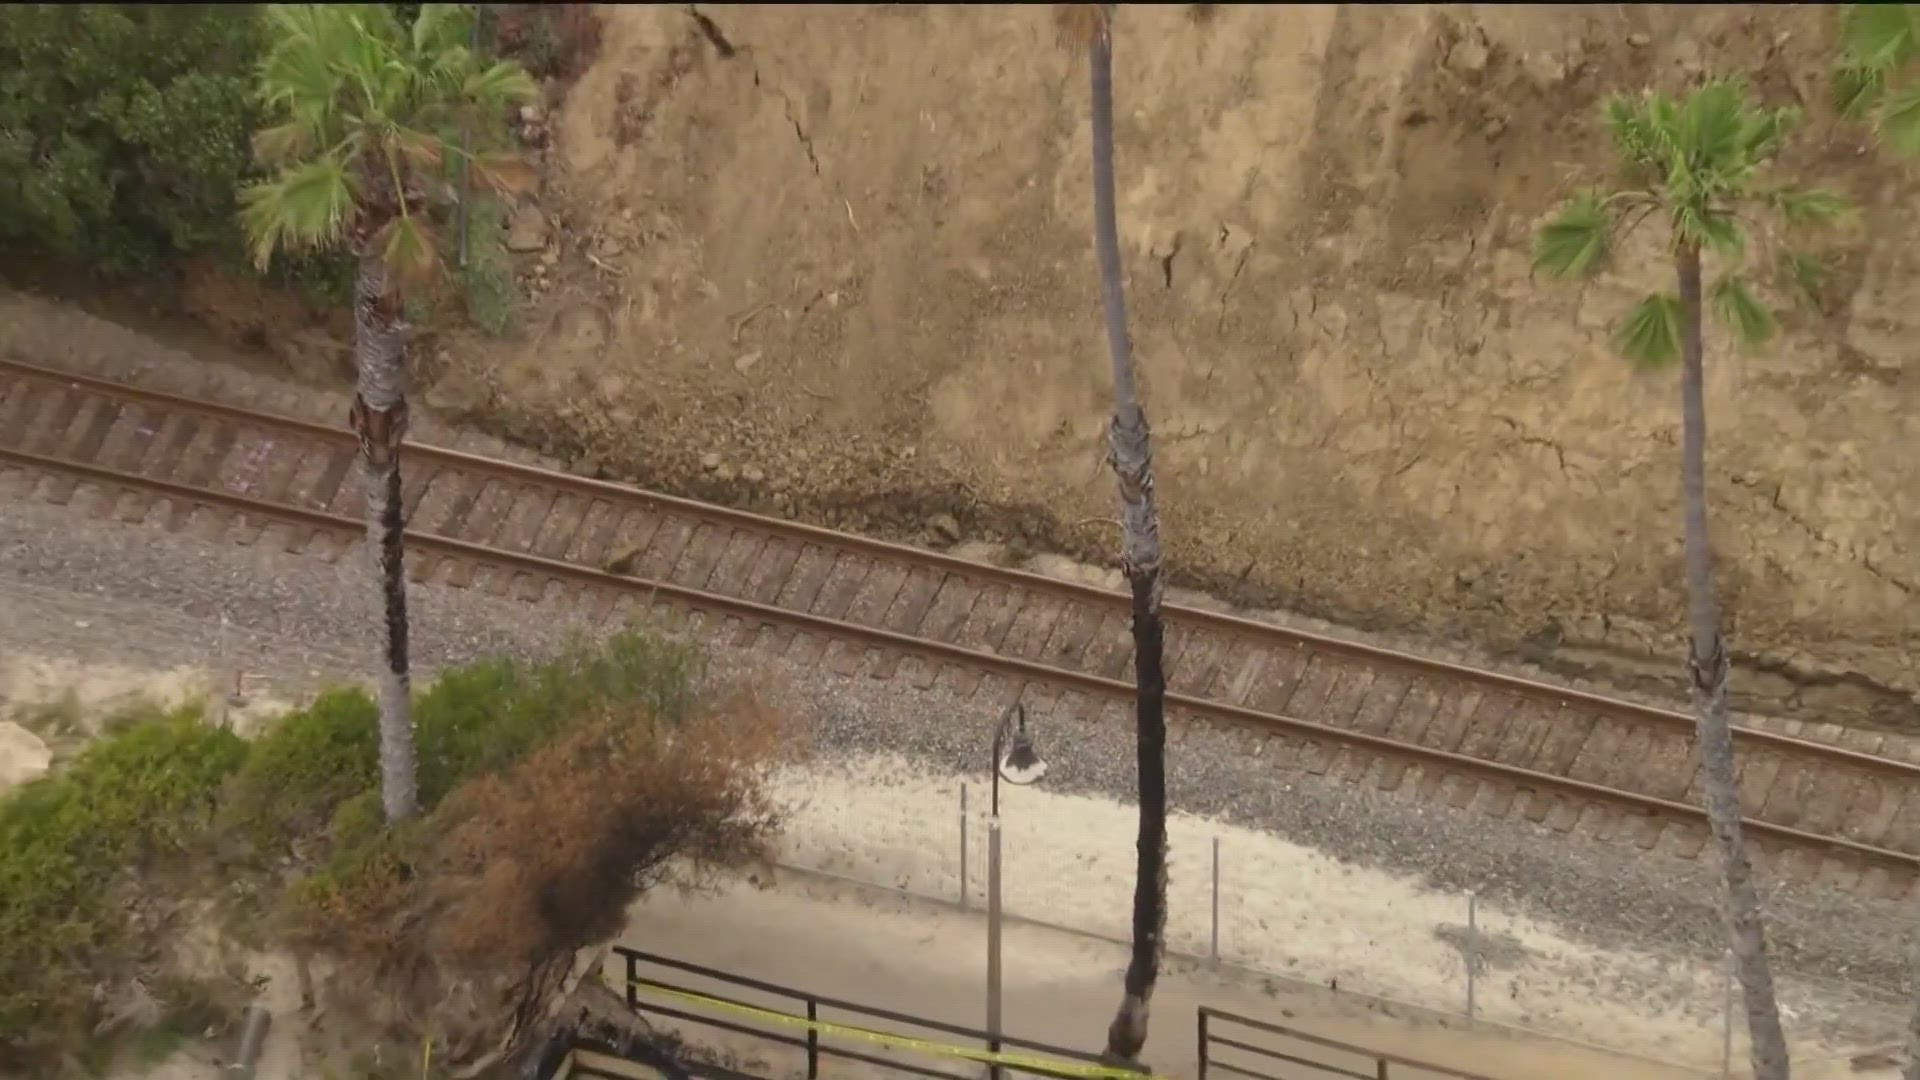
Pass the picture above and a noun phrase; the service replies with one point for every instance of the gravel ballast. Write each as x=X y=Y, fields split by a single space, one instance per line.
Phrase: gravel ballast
x=79 y=585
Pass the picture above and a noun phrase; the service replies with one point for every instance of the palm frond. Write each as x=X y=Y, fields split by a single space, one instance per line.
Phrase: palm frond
x=1878 y=37
x=418 y=149
x=1804 y=273
x=1644 y=149
x=439 y=26
x=1576 y=243
x=307 y=206
x=353 y=94
x=1714 y=124
x=1751 y=321
x=1650 y=334
x=1856 y=89
x=1899 y=119
x=500 y=85
x=411 y=251
x=1079 y=24
x=284 y=143
x=1698 y=223
x=504 y=172
x=1763 y=131
x=1808 y=206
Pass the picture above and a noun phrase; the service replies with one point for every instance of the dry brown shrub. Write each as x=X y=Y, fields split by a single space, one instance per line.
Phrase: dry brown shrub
x=555 y=41
x=466 y=926
x=548 y=857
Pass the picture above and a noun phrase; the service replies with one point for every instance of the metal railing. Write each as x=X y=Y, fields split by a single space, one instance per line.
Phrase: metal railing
x=1336 y=1059
x=830 y=1023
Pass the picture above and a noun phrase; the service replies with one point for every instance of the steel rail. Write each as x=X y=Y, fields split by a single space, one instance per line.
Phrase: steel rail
x=1175 y=613
x=748 y=610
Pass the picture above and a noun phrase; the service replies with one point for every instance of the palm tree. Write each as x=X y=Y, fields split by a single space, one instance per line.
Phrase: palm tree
x=1878 y=41
x=365 y=110
x=1698 y=163
x=1130 y=453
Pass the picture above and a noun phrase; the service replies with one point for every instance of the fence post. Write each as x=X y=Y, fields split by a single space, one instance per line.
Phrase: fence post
x=1473 y=950
x=633 y=972
x=1213 y=944
x=813 y=1040
x=963 y=846
x=1200 y=1041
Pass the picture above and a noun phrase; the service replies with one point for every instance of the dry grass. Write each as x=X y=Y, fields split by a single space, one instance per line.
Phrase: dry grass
x=548 y=857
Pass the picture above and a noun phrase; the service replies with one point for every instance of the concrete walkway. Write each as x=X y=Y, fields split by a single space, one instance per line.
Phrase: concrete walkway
x=918 y=957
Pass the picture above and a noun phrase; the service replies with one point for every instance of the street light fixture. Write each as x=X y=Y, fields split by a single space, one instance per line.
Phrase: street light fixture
x=1015 y=760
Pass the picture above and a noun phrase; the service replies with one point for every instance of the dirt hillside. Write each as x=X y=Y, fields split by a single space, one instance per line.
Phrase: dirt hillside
x=836 y=262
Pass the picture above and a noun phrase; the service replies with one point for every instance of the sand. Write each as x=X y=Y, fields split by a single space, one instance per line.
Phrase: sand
x=1284 y=909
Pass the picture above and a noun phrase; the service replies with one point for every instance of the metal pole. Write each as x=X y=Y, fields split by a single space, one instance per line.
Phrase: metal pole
x=963 y=846
x=993 y=942
x=466 y=147
x=1200 y=1040
x=1473 y=947
x=813 y=1039
x=1726 y=1019
x=1213 y=944
x=253 y=1039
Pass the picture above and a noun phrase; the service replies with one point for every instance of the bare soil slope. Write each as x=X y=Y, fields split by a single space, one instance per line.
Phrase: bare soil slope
x=835 y=262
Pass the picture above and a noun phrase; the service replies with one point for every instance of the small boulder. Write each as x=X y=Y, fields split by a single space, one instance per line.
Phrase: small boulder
x=944 y=526
x=23 y=755
x=527 y=230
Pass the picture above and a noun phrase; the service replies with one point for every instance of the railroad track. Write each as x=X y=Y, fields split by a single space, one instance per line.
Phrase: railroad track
x=1566 y=759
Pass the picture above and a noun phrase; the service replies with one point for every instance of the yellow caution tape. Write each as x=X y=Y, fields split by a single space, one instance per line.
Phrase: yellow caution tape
x=902 y=1042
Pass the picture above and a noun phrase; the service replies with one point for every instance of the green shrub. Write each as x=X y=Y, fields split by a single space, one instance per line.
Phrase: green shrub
x=305 y=767
x=146 y=792
x=486 y=716
x=124 y=128
x=486 y=282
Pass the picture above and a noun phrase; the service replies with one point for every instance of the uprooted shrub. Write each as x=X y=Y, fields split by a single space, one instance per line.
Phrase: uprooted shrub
x=464 y=924
x=71 y=845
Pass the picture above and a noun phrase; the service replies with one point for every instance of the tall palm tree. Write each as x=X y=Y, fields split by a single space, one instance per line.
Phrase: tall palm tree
x=365 y=114
x=1130 y=452
x=1698 y=163
x=1878 y=44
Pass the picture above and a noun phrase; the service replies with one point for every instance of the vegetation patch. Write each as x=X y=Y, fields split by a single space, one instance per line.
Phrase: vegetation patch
x=553 y=794
x=124 y=127
x=69 y=845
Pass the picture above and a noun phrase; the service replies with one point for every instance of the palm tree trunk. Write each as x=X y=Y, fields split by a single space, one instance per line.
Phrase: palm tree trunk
x=1708 y=670
x=1131 y=455
x=379 y=418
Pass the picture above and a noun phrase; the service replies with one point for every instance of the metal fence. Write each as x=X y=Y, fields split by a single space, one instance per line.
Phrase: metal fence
x=820 y=1026
x=1454 y=955
x=1329 y=1058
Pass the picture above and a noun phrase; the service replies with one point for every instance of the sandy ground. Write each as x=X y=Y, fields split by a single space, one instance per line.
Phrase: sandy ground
x=1286 y=907
x=866 y=947
x=1283 y=908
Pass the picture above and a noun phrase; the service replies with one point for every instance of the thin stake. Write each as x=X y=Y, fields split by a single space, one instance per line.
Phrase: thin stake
x=1473 y=947
x=963 y=846
x=1213 y=944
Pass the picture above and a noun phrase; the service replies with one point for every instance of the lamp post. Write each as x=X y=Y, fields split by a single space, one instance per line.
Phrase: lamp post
x=1015 y=760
